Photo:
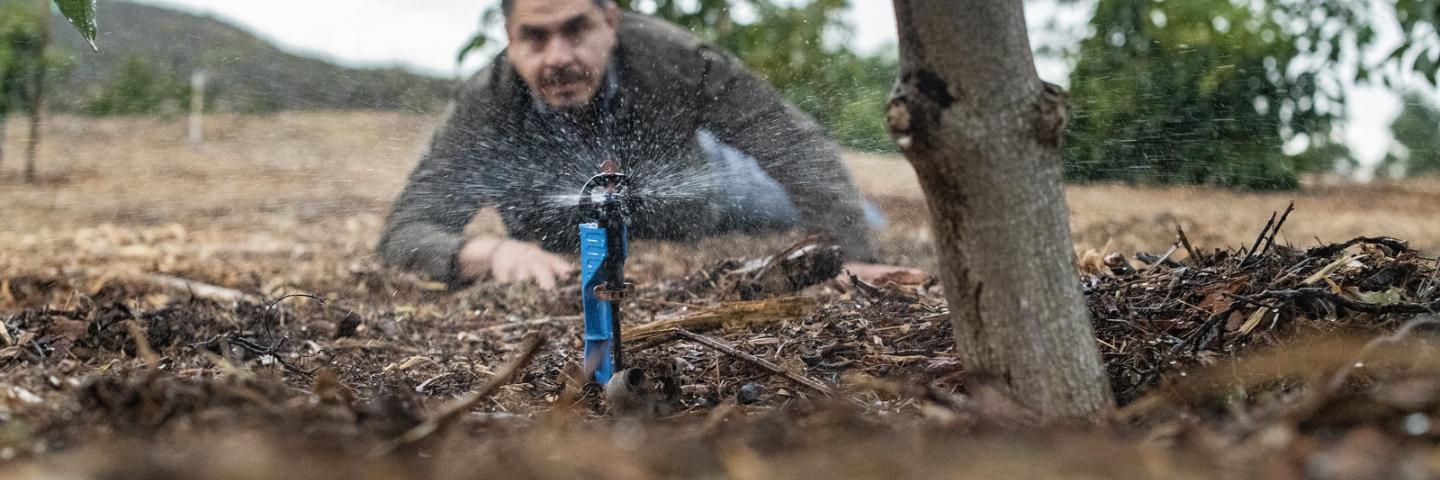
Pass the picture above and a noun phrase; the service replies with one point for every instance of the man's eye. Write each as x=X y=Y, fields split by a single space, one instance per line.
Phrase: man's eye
x=576 y=28
x=533 y=37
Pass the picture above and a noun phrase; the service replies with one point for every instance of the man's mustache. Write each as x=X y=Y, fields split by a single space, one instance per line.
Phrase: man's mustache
x=563 y=75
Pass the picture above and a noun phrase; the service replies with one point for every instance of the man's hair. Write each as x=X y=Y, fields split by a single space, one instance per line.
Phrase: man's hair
x=508 y=6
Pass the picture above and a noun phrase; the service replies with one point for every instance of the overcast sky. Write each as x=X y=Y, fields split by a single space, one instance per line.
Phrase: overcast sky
x=425 y=36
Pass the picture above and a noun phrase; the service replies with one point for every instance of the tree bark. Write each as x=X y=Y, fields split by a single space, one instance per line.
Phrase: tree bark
x=37 y=102
x=983 y=132
x=4 y=130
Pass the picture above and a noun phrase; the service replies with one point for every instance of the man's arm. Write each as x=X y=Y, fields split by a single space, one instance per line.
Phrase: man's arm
x=425 y=229
x=745 y=112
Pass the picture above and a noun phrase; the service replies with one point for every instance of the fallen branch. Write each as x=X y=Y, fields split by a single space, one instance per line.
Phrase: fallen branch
x=200 y=289
x=453 y=410
x=729 y=316
x=725 y=348
x=372 y=345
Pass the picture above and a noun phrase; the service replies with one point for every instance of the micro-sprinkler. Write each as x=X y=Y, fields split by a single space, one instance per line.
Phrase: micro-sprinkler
x=605 y=205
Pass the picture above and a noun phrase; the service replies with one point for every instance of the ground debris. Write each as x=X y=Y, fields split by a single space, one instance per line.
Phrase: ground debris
x=1226 y=363
x=806 y=263
x=1169 y=316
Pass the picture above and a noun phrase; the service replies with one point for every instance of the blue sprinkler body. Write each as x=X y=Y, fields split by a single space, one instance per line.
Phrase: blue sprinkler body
x=602 y=318
x=604 y=206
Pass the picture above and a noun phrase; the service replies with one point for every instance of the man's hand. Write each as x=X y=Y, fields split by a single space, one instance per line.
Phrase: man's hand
x=511 y=261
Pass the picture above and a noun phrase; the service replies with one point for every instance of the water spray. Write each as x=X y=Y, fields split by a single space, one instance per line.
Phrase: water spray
x=605 y=205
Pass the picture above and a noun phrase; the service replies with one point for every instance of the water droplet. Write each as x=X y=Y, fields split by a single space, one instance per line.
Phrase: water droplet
x=1417 y=424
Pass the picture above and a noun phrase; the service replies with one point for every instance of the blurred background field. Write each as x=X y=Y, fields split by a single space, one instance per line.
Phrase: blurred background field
x=330 y=177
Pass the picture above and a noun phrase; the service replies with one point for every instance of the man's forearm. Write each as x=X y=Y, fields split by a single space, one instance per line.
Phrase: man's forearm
x=424 y=232
x=808 y=165
x=427 y=249
x=821 y=186
x=745 y=112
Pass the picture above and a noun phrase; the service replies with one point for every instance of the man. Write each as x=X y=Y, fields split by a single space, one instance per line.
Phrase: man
x=711 y=149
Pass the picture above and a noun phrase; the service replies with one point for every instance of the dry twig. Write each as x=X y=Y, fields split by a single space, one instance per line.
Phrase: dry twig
x=142 y=344
x=458 y=407
x=1195 y=256
x=529 y=323
x=1342 y=301
x=725 y=348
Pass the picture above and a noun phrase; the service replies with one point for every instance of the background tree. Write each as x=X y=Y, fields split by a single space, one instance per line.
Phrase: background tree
x=983 y=132
x=1210 y=91
x=1187 y=92
x=20 y=57
x=24 y=34
x=140 y=87
x=1417 y=130
x=36 y=93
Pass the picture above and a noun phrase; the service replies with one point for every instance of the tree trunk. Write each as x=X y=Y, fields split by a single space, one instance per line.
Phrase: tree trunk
x=37 y=102
x=983 y=132
x=4 y=130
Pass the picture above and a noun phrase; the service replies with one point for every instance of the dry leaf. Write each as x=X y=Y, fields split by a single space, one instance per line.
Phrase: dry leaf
x=1389 y=297
x=1217 y=295
x=64 y=332
x=903 y=278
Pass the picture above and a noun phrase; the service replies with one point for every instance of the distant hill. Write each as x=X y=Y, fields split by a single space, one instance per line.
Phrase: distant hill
x=147 y=55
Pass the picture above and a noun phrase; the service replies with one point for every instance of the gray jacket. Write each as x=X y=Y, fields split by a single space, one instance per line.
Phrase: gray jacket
x=500 y=148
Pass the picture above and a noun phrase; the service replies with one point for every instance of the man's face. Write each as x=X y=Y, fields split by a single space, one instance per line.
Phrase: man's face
x=561 y=47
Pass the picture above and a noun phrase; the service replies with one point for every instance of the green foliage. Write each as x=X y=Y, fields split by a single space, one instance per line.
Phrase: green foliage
x=844 y=91
x=489 y=19
x=140 y=87
x=1209 y=91
x=1187 y=92
x=1419 y=19
x=1418 y=130
x=22 y=38
x=81 y=14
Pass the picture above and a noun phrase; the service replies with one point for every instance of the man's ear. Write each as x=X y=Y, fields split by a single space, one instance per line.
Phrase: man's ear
x=612 y=14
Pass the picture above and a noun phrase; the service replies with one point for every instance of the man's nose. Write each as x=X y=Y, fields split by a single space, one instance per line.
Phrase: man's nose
x=559 y=52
